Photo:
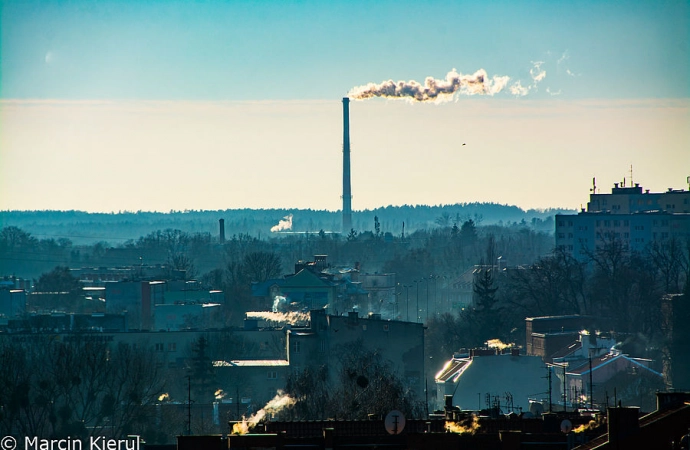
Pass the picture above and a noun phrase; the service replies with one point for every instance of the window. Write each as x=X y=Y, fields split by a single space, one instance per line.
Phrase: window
x=272 y=375
x=296 y=346
x=607 y=223
x=322 y=346
x=570 y=235
x=561 y=235
x=172 y=347
x=159 y=347
x=616 y=223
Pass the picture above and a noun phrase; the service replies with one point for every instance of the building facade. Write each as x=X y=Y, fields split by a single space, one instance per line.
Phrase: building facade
x=627 y=215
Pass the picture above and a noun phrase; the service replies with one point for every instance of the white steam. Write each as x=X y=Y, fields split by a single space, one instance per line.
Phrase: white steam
x=291 y=318
x=279 y=402
x=284 y=224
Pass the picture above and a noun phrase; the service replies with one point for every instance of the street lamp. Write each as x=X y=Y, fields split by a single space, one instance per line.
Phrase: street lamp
x=407 y=300
x=427 y=298
x=417 y=283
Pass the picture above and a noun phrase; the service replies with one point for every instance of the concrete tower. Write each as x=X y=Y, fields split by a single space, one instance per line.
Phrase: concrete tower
x=347 y=192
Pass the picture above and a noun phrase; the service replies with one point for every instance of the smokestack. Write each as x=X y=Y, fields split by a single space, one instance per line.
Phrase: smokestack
x=347 y=193
x=221 y=224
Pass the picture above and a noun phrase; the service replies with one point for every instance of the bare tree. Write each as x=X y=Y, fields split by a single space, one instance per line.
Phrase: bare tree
x=670 y=258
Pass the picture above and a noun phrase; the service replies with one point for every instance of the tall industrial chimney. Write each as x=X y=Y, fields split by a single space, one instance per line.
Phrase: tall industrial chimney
x=221 y=225
x=347 y=193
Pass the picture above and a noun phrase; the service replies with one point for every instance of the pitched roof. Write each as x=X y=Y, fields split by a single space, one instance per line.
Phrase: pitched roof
x=604 y=360
x=453 y=369
x=567 y=350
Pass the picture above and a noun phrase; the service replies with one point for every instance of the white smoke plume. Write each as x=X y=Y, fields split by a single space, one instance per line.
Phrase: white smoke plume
x=467 y=426
x=496 y=343
x=442 y=90
x=279 y=302
x=537 y=74
x=284 y=224
x=433 y=89
x=292 y=318
x=278 y=403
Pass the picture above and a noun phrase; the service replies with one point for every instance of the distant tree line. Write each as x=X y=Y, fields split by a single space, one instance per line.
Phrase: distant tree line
x=84 y=228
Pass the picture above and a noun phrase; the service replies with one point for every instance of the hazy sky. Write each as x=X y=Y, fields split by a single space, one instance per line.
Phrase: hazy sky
x=160 y=105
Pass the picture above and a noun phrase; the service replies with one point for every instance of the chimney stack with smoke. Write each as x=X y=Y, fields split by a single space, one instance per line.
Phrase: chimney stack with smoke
x=347 y=193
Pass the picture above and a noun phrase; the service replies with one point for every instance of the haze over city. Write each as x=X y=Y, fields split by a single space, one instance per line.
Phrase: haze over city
x=181 y=105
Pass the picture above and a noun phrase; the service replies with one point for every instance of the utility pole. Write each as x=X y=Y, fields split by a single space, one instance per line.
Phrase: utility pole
x=189 y=405
x=427 y=300
x=565 y=393
x=591 y=386
x=417 y=283
x=550 y=402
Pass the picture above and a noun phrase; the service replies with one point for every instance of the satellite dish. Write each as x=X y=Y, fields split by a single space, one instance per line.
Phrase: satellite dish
x=566 y=426
x=395 y=422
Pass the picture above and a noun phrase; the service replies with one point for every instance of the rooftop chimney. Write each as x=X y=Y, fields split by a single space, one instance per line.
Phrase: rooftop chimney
x=347 y=193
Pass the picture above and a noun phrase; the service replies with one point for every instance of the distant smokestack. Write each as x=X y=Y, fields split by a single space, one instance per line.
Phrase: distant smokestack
x=221 y=224
x=347 y=192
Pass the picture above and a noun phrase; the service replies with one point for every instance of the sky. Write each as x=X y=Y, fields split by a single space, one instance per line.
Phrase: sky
x=196 y=105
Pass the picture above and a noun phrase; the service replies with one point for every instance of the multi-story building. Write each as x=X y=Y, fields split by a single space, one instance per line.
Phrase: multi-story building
x=627 y=215
x=326 y=339
x=250 y=364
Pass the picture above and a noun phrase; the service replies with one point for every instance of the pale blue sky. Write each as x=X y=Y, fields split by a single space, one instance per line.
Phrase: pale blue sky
x=616 y=89
x=241 y=50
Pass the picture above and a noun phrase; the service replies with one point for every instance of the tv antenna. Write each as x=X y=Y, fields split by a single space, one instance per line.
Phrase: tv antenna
x=631 y=177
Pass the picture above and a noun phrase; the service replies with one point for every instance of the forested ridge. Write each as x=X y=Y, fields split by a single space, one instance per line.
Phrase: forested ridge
x=88 y=228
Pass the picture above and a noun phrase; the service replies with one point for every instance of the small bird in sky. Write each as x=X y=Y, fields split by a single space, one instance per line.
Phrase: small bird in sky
x=464 y=143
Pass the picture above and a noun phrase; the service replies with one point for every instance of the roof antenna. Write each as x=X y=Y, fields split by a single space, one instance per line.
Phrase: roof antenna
x=631 y=177
x=594 y=185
